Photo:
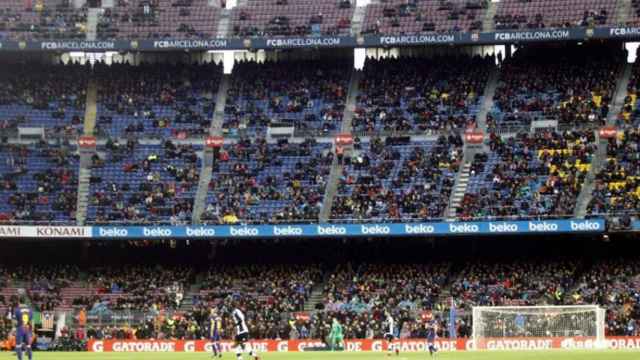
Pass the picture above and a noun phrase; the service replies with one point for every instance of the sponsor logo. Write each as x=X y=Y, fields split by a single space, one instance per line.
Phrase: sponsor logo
x=303 y=42
x=246 y=43
x=190 y=44
x=113 y=232
x=608 y=132
x=375 y=229
x=331 y=230
x=243 y=231
x=533 y=35
x=475 y=37
x=22 y=45
x=585 y=225
x=543 y=226
x=623 y=343
x=541 y=344
x=156 y=232
x=87 y=141
x=200 y=231
x=135 y=44
x=10 y=231
x=503 y=227
x=97 y=346
x=81 y=45
x=464 y=228
x=155 y=346
x=417 y=39
x=625 y=31
x=419 y=229
x=214 y=141
x=287 y=230
x=0 y=44
x=62 y=231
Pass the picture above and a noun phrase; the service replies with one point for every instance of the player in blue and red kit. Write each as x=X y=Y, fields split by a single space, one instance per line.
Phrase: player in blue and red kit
x=24 y=330
x=431 y=338
x=215 y=332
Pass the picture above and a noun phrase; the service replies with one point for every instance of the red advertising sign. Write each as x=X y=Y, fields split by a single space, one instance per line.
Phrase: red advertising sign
x=344 y=139
x=405 y=345
x=214 y=141
x=473 y=137
x=608 y=132
x=87 y=142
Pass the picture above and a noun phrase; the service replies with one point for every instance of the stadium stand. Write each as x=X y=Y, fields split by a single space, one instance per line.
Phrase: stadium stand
x=537 y=176
x=418 y=95
x=417 y=17
x=536 y=14
x=256 y=181
x=136 y=183
x=306 y=94
x=39 y=184
x=396 y=178
x=573 y=86
x=292 y=18
x=156 y=100
x=616 y=191
x=159 y=19
x=42 y=20
x=35 y=95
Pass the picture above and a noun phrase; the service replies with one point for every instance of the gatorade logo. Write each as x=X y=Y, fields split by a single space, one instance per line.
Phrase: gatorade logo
x=97 y=346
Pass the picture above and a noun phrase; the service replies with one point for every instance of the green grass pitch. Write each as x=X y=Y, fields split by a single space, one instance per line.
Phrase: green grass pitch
x=540 y=355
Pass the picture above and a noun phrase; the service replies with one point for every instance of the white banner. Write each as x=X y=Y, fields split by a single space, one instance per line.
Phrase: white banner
x=17 y=231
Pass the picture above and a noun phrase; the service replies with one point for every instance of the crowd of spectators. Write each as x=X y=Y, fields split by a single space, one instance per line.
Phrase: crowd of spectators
x=39 y=182
x=617 y=187
x=538 y=14
x=537 y=175
x=42 y=20
x=292 y=18
x=159 y=19
x=399 y=17
x=573 y=86
x=161 y=100
x=256 y=181
x=135 y=183
x=308 y=95
x=34 y=94
x=419 y=95
x=397 y=179
x=274 y=296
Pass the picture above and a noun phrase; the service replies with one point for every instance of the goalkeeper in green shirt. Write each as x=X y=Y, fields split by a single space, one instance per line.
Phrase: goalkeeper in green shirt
x=336 y=337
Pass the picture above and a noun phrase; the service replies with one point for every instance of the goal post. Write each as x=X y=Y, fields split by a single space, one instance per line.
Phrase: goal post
x=514 y=327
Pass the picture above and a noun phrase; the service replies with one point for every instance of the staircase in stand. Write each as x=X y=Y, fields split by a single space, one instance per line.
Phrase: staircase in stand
x=336 y=167
x=599 y=158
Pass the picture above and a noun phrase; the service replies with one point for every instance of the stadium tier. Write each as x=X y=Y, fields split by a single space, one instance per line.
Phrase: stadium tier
x=257 y=182
x=397 y=180
x=307 y=94
x=414 y=94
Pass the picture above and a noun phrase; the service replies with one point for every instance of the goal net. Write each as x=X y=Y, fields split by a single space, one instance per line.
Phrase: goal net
x=538 y=327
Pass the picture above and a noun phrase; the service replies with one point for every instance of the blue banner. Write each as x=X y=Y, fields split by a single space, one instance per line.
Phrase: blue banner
x=314 y=42
x=351 y=230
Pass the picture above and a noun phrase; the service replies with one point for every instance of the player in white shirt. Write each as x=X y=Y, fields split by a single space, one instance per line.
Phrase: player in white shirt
x=242 y=334
x=389 y=335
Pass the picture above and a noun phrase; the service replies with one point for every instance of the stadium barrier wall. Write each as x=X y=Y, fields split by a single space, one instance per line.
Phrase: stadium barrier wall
x=366 y=345
x=458 y=38
x=316 y=230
